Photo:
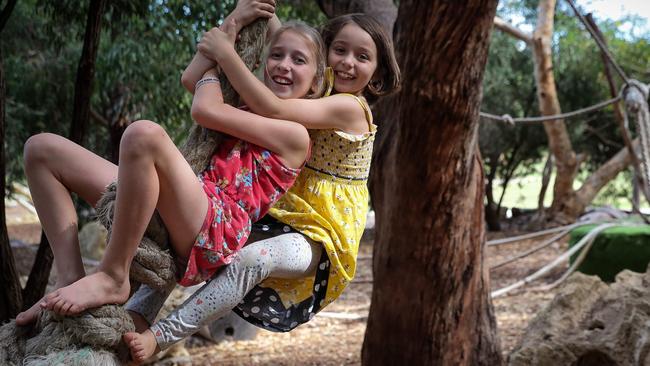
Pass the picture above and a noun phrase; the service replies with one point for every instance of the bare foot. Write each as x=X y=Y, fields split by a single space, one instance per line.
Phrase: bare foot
x=89 y=292
x=142 y=345
x=29 y=316
x=139 y=321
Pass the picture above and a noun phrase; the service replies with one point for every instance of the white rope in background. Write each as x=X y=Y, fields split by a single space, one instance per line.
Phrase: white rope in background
x=510 y=120
x=544 y=270
x=636 y=102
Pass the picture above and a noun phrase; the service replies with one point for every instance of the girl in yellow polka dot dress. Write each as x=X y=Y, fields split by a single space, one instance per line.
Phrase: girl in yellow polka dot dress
x=328 y=202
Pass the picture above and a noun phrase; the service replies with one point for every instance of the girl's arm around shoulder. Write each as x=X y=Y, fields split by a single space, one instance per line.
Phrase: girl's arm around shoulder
x=289 y=140
x=340 y=112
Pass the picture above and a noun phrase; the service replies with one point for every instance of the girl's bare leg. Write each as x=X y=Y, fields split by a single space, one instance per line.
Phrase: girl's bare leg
x=152 y=175
x=54 y=166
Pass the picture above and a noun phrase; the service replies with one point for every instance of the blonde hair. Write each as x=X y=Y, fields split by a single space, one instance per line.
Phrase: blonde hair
x=315 y=42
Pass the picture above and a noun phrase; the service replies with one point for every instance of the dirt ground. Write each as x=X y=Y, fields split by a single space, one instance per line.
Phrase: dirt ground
x=333 y=341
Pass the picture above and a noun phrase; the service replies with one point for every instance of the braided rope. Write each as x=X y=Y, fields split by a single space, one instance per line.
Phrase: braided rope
x=636 y=96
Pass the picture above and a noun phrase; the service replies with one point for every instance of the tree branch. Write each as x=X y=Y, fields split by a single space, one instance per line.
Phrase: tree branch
x=606 y=173
x=510 y=29
x=603 y=138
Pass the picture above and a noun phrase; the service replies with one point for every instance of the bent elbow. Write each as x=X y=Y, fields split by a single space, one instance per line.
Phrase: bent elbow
x=275 y=112
x=198 y=114
x=187 y=83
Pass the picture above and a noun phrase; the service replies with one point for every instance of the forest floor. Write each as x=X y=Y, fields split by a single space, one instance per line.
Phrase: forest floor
x=334 y=341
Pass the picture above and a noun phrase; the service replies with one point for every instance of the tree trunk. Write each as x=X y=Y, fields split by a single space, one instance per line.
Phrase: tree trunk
x=10 y=296
x=384 y=11
x=430 y=301
x=86 y=72
x=39 y=275
x=598 y=179
x=558 y=136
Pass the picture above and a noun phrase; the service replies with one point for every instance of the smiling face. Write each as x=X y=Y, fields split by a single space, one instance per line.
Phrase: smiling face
x=353 y=57
x=291 y=66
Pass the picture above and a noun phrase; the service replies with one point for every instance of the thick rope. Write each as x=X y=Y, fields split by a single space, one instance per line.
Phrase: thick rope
x=528 y=252
x=636 y=103
x=537 y=233
x=510 y=120
x=542 y=271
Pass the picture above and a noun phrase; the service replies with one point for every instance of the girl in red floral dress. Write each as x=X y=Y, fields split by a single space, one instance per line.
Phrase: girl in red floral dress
x=209 y=218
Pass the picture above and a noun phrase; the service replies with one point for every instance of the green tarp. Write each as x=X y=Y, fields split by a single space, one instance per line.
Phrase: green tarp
x=614 y=250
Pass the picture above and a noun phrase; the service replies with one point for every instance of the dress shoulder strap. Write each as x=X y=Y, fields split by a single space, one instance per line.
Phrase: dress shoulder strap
x=364 y=105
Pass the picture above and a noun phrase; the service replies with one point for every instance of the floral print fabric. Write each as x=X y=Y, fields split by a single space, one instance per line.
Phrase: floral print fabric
x=242 y=182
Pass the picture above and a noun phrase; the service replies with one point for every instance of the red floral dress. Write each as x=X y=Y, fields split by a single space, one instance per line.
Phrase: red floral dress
x=242 y=182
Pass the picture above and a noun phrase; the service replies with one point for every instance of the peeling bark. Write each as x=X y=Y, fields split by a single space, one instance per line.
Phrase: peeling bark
x=430 y=302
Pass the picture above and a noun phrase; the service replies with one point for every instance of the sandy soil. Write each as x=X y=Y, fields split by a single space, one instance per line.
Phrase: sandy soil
x=331 y=341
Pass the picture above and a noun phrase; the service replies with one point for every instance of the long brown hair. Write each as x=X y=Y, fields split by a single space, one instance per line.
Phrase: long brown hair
x=387 y=78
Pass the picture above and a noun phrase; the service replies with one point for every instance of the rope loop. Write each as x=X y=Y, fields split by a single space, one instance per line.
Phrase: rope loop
x=635 y=94
x=508 y=119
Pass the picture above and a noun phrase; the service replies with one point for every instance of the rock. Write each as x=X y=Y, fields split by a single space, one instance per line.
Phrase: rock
x=92 y=240
x=591 y=323
x=606 y=213
x=230 y=327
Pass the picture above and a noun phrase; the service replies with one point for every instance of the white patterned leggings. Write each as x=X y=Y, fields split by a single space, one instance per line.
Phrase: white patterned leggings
x=285 y=256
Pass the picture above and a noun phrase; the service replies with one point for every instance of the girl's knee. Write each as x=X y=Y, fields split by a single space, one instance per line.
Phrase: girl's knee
x=39 y=148
x=141 y=137
x=252 y=256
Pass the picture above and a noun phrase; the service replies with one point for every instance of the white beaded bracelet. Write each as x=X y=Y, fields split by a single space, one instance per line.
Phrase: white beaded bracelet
x=206 y=81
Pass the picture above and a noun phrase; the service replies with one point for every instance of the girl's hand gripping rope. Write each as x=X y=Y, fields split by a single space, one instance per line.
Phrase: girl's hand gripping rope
x=249 y=10
x=216 y=41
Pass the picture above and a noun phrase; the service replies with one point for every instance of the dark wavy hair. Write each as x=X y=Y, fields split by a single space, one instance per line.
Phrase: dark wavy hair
x=387 y=78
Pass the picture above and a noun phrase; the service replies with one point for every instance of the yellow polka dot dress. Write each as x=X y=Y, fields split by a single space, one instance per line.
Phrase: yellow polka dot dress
x=328 y=203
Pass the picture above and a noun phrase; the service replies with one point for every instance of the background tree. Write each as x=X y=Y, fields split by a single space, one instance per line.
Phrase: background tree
x=10 y=296
x=565 y=70
x=86 y=71
x=508 y=151
x=430 y=302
